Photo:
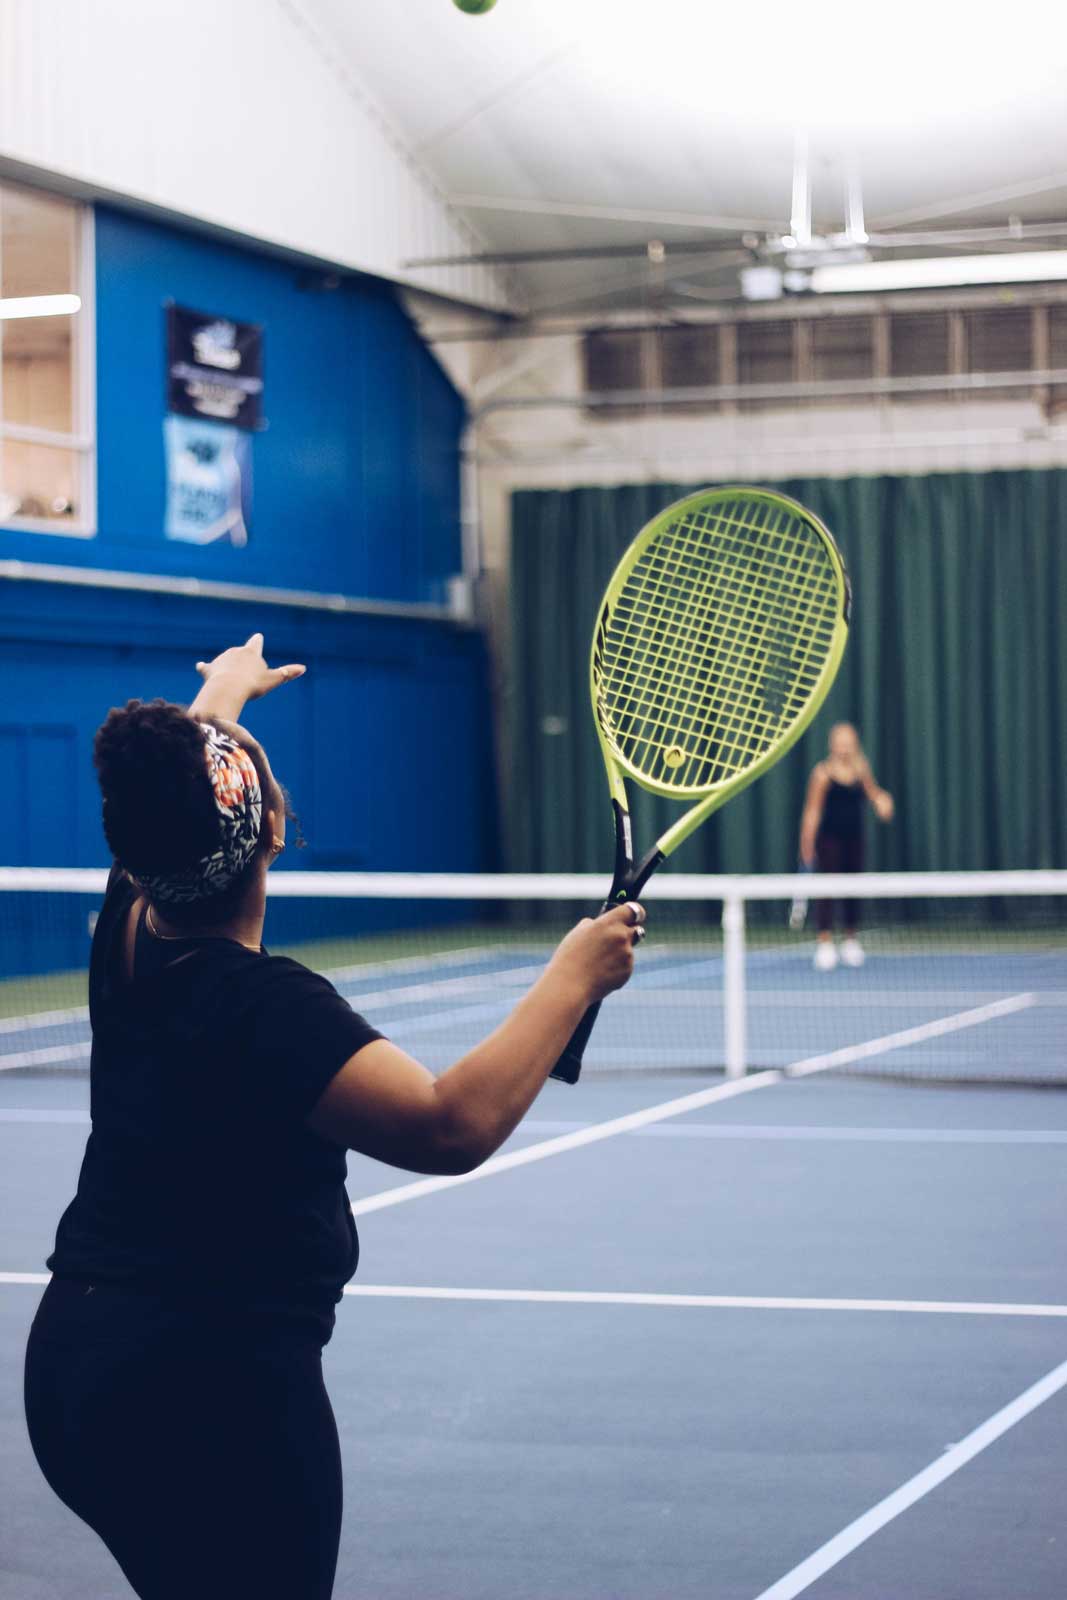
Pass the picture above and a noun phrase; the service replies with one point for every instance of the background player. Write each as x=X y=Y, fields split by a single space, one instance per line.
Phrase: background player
x=831 y=834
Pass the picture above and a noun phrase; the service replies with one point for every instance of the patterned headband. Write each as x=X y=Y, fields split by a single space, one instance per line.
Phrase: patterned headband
x=239 y=803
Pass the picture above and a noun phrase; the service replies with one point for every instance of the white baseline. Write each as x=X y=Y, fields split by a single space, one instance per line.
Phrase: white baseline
x=669 y=1302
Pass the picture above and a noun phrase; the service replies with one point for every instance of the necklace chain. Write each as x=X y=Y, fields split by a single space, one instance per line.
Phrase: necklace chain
x=157 y=933
x=180 y=938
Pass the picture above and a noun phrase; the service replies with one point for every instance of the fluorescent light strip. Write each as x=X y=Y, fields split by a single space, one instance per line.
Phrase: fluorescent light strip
x=939 y=272
x=40 y=305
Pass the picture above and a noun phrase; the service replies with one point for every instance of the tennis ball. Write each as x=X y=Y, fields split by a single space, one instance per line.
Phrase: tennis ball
x=474 y=8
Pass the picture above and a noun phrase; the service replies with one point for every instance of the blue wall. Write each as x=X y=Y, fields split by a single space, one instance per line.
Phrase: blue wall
x=356 y=478
x=356 y=490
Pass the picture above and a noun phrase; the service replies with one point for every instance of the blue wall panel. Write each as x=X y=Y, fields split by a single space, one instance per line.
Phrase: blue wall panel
x=387 y=706
x=441 y=418
x=356 y=489
x=356 y=474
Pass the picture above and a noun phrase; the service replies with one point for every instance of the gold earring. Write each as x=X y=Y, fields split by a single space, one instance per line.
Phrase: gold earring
x=277 y=847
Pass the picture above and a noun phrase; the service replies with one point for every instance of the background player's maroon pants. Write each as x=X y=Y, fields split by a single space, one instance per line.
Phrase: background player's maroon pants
x=835 y=852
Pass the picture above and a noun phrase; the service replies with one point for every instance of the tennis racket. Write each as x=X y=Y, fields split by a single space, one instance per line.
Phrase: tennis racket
x=716 y=642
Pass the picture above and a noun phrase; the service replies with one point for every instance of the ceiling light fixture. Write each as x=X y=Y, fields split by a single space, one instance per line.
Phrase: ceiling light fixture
x=39 y=305
x=931 y=272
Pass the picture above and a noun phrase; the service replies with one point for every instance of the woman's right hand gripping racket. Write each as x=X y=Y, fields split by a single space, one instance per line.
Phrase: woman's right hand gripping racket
x=716 y=642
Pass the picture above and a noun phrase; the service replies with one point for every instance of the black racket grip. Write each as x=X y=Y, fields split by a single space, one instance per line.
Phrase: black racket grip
x=569 y=1066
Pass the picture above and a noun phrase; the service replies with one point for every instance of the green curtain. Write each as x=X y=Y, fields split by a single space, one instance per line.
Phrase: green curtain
x=955 y=674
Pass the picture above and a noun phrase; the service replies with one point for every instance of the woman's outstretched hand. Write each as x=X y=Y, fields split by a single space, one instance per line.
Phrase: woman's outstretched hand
x=599 y=952
x=238 y=675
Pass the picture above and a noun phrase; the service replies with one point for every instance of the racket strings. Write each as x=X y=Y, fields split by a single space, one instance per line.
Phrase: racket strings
x=685 y=708
x=719 y=635
x=690 y=709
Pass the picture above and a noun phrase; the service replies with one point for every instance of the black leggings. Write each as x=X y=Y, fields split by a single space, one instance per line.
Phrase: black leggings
x=838 y=852
x=202 y=1449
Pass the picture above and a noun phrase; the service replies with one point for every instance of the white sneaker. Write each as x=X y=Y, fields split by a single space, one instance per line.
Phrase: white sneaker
x=852 y=953
x=825 y=955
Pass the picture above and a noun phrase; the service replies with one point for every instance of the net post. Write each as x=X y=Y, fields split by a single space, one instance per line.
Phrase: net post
x=733 y=952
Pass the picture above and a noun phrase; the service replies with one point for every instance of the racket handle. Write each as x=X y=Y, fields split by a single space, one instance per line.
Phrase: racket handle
x=568 y=1067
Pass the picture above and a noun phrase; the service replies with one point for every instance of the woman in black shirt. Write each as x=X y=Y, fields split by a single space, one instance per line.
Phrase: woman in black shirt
x=831 y=835
x=174 y=1389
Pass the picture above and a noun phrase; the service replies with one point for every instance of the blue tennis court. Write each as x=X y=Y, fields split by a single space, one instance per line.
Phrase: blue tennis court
x=686 y=1358
x=798 y=1331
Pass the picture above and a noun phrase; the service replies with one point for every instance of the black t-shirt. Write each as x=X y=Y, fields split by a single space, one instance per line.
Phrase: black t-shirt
x=201 y=1175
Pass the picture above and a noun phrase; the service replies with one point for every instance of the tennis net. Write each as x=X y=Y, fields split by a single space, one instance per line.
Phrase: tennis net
x=963 y=975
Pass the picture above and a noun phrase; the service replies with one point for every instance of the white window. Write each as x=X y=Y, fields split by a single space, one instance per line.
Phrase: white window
x=47 y=448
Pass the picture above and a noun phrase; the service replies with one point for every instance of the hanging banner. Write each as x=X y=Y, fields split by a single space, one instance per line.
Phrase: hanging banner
x=209 y=482
x=214 y=367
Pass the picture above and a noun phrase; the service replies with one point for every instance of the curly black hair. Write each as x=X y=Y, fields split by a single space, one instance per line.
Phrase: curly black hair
x=159 y=812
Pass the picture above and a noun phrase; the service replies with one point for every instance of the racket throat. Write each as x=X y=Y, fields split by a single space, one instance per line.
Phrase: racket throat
x=624 y=856
x=643 y=871
x=628 y=880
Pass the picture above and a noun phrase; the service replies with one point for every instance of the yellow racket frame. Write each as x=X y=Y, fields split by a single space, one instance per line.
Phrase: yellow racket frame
x=816 y=602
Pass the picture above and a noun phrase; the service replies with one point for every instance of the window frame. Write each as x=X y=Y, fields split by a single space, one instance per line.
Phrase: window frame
x=82 y=441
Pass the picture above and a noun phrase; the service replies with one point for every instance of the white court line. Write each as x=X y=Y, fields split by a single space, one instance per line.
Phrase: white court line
x=887 y=999
x=802 y=1132
x=897 y=1041
x=641 y=996
x=359 y=971
x=566 y=1141
x=957 y=1456
x=706 y=1302
x=710 y=1302
x=51 y=1056
x=742 y=1132
x=45 y=1116
x=400 y=1028
x=690 y=1102
x=476 y=983
x=43 y=1019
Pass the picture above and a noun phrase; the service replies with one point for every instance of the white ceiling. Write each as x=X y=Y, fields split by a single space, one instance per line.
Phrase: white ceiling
x=629 y=115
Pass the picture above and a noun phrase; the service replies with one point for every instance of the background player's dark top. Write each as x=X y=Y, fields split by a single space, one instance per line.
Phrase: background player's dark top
x=842 y=812
x=200 y=1175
